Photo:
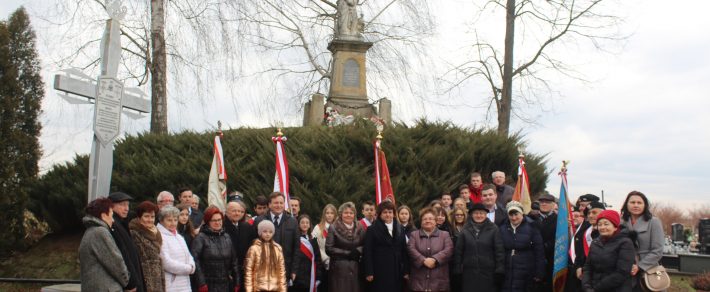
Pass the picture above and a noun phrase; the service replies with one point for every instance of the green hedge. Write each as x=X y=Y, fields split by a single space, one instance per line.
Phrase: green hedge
x=327 y=165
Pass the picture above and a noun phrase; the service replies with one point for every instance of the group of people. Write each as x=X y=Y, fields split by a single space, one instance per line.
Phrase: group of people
x=480 y=240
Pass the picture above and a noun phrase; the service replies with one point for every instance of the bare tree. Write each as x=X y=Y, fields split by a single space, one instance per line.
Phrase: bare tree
x=668 y=214
x=158 y=68
x=188 y=33
x=282 y=43
x=698 y=213
x=517 y=81
x=295 y=36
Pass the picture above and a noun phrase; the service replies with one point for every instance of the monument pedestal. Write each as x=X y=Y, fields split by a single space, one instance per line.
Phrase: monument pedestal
x=348 y=85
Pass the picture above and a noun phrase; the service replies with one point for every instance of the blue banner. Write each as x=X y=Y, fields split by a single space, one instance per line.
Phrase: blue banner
x=562 y=238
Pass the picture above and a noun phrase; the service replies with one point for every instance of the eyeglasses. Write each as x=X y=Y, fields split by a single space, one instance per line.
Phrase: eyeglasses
x=216 y=220
x=167 y=201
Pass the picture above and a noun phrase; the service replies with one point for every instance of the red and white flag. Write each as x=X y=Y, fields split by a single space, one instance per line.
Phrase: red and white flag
x=522 y=187
x=383 y=185
x=281 y=177
x=217 y=183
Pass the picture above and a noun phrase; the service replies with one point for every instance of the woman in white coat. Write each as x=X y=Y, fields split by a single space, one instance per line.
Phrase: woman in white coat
x=178 y=263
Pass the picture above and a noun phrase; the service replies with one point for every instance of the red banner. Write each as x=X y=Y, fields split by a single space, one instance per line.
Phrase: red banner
x=383 y=185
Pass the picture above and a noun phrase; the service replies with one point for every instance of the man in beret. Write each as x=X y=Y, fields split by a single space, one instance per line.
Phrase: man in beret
x=125 y=244
x=547 y=224
x=584 y=201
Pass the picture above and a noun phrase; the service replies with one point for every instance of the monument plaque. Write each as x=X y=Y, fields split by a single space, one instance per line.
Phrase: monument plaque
x=351 y=73
x=107 y=115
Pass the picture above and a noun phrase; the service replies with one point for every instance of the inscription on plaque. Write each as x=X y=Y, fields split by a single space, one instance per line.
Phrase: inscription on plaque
x=351 y=74
x=107 y=116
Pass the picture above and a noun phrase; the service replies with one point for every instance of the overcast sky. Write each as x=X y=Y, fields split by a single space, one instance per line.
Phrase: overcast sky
x=641 y=124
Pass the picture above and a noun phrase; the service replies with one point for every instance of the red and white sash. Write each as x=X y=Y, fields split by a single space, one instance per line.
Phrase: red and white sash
x=587 y=240
x=307 y=249
x=365 y=223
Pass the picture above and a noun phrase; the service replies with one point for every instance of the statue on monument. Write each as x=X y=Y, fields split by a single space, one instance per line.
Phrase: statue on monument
x=334 y=118
x=349 y=24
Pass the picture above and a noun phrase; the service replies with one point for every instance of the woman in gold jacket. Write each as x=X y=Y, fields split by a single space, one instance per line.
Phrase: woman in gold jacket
x=264 y=263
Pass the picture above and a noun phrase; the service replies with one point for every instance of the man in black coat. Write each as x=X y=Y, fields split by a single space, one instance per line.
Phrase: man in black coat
x=286 y=233
x=240 y=232
x=547 y=224
x=125 y=244
x=496 y=212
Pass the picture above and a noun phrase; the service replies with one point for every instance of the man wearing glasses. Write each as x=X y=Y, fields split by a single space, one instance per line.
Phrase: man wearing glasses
x=165 y=198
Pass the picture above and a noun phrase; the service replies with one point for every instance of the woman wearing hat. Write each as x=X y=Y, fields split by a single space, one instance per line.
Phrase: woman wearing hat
x=479 y=253
x=608 y=267
x=524 y=254
x=583 y=236
x=215 y=259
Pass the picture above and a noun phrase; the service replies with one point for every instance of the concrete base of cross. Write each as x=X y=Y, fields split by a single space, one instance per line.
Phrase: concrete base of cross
x=62 y=288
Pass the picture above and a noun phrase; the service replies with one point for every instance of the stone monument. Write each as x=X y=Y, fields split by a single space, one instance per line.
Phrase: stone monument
x=110 y=100
x=348 y=83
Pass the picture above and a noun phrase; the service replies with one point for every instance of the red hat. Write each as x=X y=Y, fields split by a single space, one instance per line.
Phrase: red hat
x=610 y=215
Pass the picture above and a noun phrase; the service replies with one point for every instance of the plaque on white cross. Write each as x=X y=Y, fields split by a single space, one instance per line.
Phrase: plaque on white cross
x=107 y=115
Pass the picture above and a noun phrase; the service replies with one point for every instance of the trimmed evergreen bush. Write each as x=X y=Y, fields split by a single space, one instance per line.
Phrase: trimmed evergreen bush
x=327 y=165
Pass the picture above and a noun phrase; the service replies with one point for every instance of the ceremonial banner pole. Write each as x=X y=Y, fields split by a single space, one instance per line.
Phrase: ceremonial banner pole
x=281 y=177
x=562 y=234
x=378 y=181
x=383 y=185
x=217 y=183
x=522 y=187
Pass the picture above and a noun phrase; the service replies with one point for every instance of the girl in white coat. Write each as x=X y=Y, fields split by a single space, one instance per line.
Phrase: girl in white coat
x=177 y=260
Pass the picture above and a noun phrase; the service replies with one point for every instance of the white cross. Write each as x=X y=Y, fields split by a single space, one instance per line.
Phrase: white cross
x=110 y=100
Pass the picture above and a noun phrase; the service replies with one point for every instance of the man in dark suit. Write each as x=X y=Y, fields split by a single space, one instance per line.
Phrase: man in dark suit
x=286 y=233
x=489 y=198
x=185 y=196
x=240 y=232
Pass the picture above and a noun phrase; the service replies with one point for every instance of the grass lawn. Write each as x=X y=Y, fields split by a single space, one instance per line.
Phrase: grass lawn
x=681 y=283
x=55 y=257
